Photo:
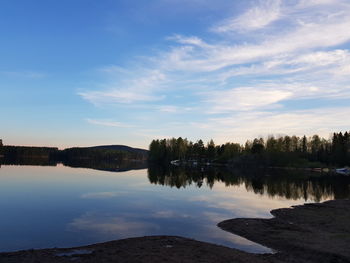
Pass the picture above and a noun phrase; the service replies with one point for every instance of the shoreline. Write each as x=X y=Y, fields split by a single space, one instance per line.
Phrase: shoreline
x=314 y=232
x=308 y=233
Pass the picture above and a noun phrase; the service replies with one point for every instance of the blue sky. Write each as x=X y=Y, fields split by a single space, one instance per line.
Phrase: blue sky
x=83 y=72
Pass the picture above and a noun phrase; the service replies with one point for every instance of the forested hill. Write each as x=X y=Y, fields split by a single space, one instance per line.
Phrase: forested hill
x=104 y=152
x=121 y=148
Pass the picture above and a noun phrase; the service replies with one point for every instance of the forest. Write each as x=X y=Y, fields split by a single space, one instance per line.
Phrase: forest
x=110 y=153
x=286 y=150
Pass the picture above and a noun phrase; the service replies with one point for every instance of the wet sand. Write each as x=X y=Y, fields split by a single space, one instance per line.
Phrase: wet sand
x=308 y=233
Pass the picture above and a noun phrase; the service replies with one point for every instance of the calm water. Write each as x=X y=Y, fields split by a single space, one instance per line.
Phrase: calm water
x=59 y=206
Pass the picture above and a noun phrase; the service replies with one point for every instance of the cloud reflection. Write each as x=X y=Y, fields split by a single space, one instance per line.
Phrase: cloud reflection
x=102 y=195
x=113 y=226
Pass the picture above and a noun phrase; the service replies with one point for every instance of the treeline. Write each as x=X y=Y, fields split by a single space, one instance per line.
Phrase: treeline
x=98 y=154
x=274 y=151
x=18 y=154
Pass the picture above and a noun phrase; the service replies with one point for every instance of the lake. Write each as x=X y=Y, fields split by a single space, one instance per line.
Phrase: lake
x=61 y=206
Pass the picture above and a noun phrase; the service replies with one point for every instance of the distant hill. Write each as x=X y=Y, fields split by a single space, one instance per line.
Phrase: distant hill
x=123 y=148
x=104 y=152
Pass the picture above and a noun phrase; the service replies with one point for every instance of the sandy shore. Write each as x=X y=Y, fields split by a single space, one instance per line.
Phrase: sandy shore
x=308 y=233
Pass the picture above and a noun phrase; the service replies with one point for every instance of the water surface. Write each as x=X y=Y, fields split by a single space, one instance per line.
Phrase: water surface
x=59 y=206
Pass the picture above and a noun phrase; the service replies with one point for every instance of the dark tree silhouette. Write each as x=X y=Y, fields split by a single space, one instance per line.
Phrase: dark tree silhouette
x=281 y=151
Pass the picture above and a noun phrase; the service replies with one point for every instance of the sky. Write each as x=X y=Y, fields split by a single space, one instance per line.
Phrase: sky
x=87 y=72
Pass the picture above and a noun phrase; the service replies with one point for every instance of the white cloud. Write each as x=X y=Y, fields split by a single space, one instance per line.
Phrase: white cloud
x=137 y=89
x=305 y=29
x=266 y=12
x=289 y=64
x=312 y=3
x=240 y=126
x=168 y=108
x=342 y=70
x=322 y=58
x=174 y=109
x=108 y=123
x=116 y=96
x=112 y=225
x=331 y=32
x=242 y=99
x=101 y=195
x=194 y=41
x=288 y=51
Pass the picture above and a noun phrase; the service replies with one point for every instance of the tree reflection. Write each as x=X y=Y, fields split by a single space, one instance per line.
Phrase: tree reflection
x=28 y=161
x=103 y=165
x=273 y=183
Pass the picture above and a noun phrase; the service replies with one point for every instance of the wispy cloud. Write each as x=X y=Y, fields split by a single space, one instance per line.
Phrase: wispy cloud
x=102 y=195
x=113 y=225
x=116 y=96
x=243 y=125
x=168 y=108
x=244 y=99
x=137 y=89
x=174 y=109
x=257 y=17
x=311 y=3
x=248 y=67
x=108 y=123
x=331 y=32
x=194 y=41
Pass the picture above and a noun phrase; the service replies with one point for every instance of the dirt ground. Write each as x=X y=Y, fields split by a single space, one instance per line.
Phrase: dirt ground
x=145 y=249
x=308 y=233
